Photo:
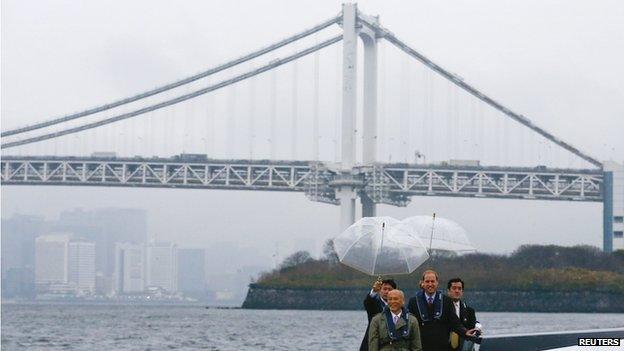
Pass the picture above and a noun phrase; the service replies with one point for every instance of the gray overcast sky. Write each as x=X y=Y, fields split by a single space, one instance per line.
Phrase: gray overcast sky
x=557 y=62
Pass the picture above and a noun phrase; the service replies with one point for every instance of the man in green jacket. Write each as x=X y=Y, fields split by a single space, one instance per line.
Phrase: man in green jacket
x=394 y=329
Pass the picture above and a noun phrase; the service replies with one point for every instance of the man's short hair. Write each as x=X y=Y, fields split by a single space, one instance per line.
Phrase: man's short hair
x=390 y=282
x=397 y=291
x=429 y=271
x=454 y=280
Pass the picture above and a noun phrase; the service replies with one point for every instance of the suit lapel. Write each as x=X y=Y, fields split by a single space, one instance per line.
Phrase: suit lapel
x=462 y=312
x=400 y=323
x=380 y=303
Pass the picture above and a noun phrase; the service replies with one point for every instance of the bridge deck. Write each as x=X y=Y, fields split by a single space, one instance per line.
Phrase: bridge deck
x=384 y=183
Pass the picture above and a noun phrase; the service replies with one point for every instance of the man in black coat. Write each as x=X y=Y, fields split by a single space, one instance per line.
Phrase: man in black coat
x=466 y=314
x=436 y=315
x=375 y=302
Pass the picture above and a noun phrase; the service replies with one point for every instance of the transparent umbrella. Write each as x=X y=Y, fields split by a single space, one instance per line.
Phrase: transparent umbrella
x=440 y=233
x=380 y=245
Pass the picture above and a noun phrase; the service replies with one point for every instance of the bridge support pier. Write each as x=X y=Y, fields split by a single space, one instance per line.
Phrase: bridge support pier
x=369 y=208
x=613 y=207
x=347 y=197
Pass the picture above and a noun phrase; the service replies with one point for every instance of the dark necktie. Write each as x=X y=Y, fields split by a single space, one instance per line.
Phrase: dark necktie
x=430 y=300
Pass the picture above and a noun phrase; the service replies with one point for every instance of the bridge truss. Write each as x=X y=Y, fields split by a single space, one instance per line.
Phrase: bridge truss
x=383 y=183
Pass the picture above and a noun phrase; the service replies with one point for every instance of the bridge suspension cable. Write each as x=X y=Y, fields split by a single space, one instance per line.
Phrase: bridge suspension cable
x=175 y=84
x=273 y=64
x=389 y=36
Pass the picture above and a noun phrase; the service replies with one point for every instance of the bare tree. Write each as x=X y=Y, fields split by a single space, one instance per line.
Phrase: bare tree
x=329 y=252
x=295 y=259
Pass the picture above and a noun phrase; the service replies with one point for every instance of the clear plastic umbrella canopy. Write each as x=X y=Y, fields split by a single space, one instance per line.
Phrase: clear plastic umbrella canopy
x=380 y=245
x=442 y=234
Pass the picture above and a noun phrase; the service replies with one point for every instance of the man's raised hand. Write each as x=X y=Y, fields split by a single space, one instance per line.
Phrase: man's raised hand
x=377 y=286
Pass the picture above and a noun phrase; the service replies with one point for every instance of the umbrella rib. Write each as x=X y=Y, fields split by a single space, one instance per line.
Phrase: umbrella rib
x=405 y=257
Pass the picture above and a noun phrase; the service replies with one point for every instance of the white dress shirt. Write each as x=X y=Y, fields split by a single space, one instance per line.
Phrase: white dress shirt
x=456 y=304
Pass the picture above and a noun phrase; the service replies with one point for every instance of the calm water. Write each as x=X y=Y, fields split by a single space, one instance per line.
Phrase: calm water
x=115 y=327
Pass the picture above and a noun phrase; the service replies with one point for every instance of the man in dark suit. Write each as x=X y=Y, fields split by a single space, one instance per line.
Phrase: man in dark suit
x=375 y=302
x=466 y=314
x=436 y=315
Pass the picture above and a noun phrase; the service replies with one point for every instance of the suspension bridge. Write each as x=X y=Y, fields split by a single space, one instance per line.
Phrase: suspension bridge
x=441 y=137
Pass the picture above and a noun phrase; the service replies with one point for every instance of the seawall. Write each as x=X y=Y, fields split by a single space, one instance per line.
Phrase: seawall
x=266 y=297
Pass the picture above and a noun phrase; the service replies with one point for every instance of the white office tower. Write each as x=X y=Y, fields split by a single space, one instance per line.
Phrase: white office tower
x=162 y=266
x=613 y=206
x=51 y=261
x=129 y=268
x=82 y=266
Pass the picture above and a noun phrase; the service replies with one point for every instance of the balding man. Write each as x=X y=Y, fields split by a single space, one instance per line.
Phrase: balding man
x=394 y=328
x=375 y=302
x=436 y=315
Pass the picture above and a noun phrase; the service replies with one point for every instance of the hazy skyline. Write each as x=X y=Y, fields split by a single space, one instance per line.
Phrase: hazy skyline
x=556 y=62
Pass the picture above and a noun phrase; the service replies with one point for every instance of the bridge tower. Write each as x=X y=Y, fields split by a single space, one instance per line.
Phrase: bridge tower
x=348 y=185
x=613 y=206
x=369 y=111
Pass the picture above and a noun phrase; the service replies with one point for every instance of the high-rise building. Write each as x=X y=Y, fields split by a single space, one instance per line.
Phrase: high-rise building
x=18 y=241
x=613 y=208
x=18 y=282
x=162 y=265
x=191 y=270
x=129 y=276
x=81 y=266
x=106 y=227
x=104 y=285
x=18 y=254
x=51 y=254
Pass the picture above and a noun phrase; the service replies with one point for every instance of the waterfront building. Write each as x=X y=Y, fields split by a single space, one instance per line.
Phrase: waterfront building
x=162 y=262
x=51 y=257
x=105 y=227
x=18 y=254
x=18 y=282
x=81 y=269
x=104 y=284
x=129 y=275
x=614 y=206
